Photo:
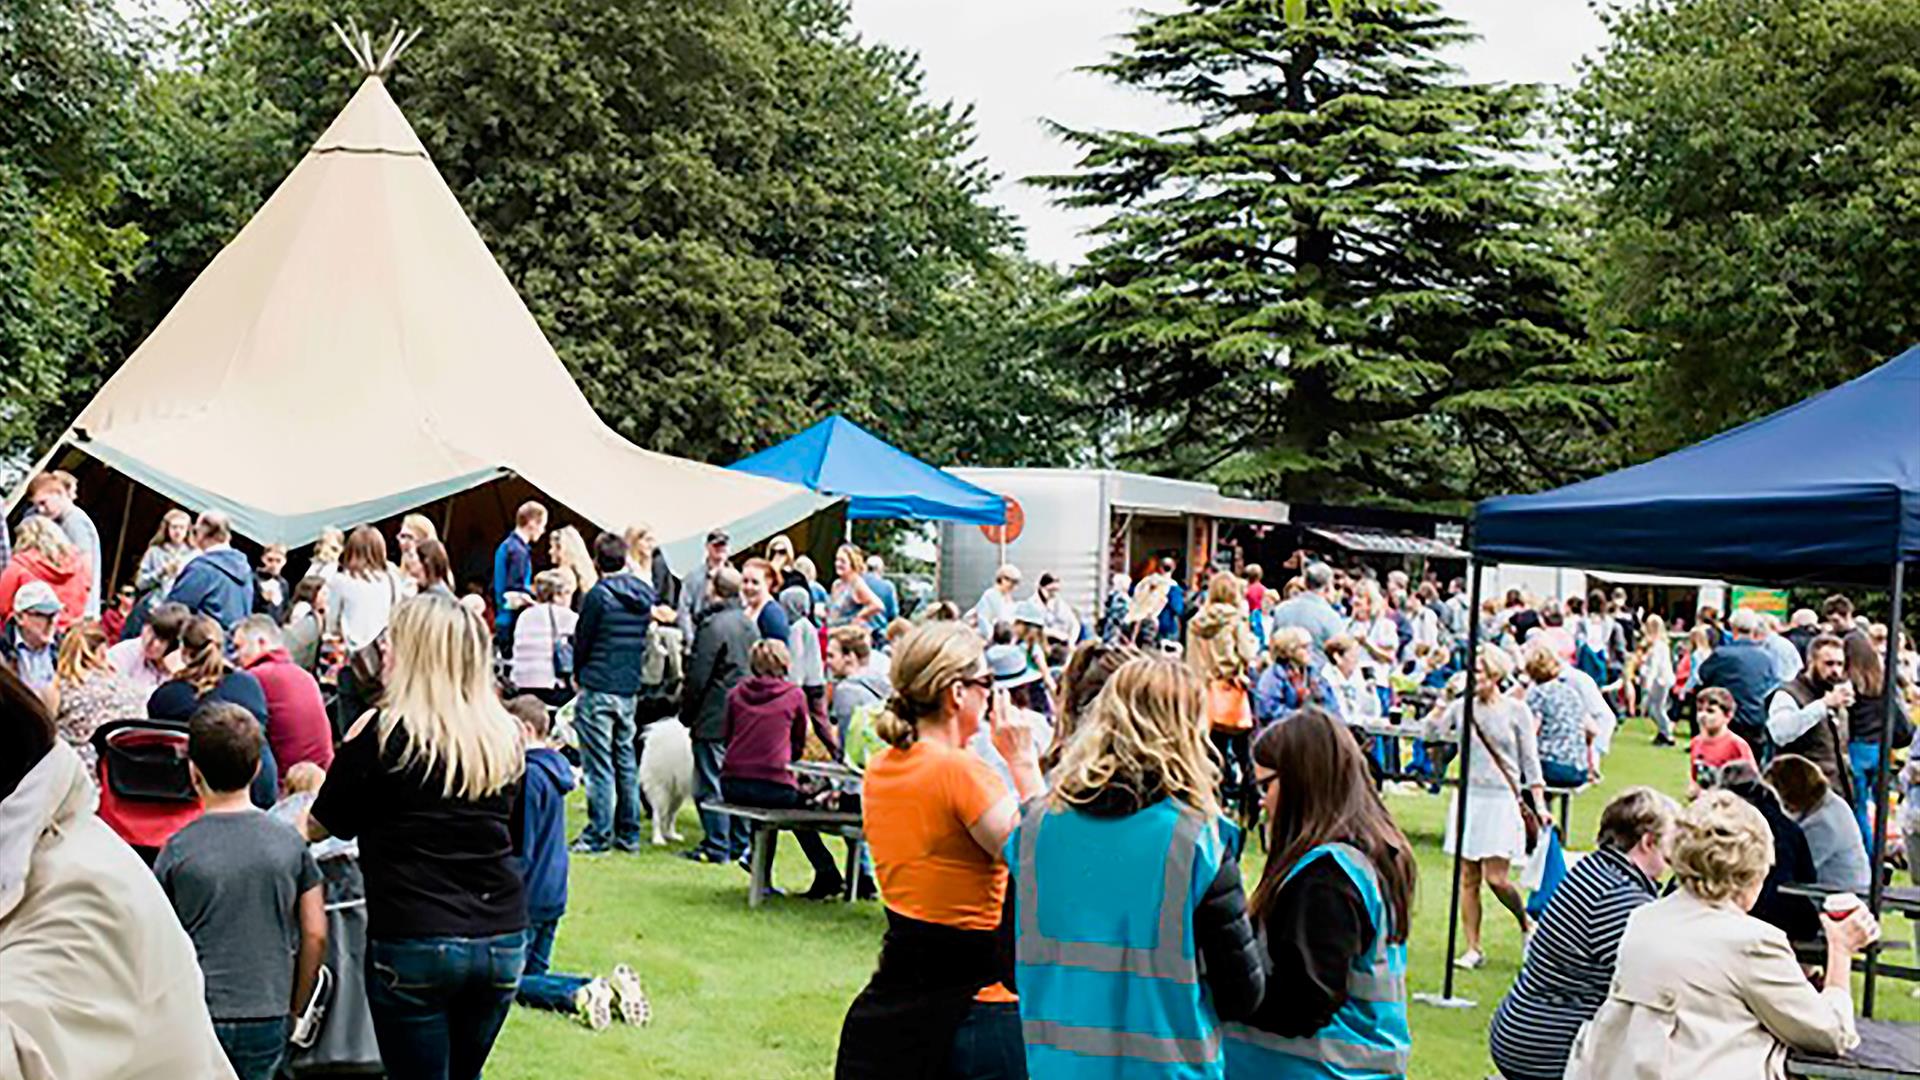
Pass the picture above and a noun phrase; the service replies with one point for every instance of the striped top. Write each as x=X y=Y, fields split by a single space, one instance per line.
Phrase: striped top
x=1569 y=966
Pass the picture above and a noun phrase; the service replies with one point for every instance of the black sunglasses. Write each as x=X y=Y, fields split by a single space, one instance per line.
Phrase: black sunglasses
x=984 y=682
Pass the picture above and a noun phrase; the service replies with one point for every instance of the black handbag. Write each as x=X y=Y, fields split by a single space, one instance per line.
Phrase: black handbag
x=562 y=650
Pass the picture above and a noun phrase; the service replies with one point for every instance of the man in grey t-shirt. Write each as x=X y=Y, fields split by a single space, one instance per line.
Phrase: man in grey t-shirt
x=1313 y=611
x=247 y=890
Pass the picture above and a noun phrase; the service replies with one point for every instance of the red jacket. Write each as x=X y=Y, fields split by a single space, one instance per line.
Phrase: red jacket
x=766 y=729
x=297 y=724
x=71 y=580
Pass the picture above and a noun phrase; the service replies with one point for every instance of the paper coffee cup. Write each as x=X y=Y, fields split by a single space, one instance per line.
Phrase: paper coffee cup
x=1840 y=905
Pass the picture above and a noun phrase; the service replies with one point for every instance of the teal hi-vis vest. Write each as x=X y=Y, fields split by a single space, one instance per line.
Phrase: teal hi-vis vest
x=1109 y=978
x=1367 y=1039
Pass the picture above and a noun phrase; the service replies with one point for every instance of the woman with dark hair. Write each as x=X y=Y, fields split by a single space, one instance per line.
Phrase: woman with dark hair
x=1868 y=713
x=206 y=675
x=100 y=981
x=431 y=569
x=1333 y=908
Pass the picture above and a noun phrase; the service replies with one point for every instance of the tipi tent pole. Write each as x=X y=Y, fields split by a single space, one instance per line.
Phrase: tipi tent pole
x=119 y=545
x=1890 y=682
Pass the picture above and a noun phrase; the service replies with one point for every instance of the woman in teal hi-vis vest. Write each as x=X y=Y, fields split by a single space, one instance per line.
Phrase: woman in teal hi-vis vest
x=1331 y=911
x=1131 y=933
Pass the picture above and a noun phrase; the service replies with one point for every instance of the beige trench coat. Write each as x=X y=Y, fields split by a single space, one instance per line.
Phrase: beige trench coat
x=1706 y=992
x=97 y=979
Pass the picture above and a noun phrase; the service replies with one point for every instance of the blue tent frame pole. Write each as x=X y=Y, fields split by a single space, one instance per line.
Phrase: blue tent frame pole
x=1466 y=751
x=1890 y=679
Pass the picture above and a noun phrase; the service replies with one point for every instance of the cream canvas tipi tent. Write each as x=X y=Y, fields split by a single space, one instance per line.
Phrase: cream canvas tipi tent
x=356 y=352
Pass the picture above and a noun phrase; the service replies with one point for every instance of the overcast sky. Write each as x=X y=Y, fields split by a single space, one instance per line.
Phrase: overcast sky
x=1014 y=61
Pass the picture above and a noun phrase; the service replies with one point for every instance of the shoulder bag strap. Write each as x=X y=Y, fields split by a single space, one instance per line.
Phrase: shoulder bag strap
x=1498 y=761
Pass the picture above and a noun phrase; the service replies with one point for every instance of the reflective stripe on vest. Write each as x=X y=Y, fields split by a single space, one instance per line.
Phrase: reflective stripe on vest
x=1166 y=960
x=1106 y=1042
x=1376 y=999
x=1346 y=1055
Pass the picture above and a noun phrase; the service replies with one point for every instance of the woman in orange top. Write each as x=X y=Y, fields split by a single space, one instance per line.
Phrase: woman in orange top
x=936 y=819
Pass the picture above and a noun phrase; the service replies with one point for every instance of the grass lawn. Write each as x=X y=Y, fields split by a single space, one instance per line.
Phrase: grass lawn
x=760 y=995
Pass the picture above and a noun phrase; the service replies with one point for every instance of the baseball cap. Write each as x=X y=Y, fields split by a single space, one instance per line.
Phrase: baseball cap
x=719 y=536
x=39 y=598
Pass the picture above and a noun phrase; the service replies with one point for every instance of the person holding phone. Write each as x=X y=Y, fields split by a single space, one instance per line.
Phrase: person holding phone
x=937 y=819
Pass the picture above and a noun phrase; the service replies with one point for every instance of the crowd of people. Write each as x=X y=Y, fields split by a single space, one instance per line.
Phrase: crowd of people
x=1055 y=803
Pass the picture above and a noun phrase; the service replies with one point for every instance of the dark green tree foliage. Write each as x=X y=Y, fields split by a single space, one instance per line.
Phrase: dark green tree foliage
x=1756 y=172
x=731 y=217
x=1338 y=282
x=66 y=71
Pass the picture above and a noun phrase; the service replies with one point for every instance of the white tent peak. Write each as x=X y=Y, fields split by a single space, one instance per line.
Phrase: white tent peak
x=371 y=124
x=356 y=352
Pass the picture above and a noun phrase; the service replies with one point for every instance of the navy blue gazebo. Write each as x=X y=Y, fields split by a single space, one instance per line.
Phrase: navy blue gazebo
x=1825 y=491
x=879 y=480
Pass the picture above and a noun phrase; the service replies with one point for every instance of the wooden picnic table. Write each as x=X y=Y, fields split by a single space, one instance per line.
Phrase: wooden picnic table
x=1887 y=1051
x=767 y=826
x=1904 y=899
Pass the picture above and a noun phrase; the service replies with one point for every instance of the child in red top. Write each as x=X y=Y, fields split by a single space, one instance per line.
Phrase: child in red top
x=1715 y=746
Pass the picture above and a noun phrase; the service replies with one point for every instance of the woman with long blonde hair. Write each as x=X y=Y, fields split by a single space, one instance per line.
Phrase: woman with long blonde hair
x=1653 y=663
x=416 y=530
x=937 y=818
x=88 y=690
x=427 y=784
x=568 y=551
x=1128 y=854
x=41 y=552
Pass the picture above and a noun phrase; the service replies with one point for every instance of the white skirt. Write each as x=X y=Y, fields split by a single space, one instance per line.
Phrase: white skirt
x=1494 y=828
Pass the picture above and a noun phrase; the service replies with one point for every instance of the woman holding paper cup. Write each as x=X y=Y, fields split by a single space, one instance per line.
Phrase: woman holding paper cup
x=1704 y=990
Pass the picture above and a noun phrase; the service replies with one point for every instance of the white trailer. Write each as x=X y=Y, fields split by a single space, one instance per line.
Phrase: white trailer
x=1082 y=525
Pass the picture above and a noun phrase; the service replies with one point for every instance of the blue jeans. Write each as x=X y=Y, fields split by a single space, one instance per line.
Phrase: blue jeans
x=1562 y=776
x=254 y=1047
x=724 y=838
x=541 y=988
x=989 y=1045
x=438 y=1002
x=1863 y=758
x=604 y=723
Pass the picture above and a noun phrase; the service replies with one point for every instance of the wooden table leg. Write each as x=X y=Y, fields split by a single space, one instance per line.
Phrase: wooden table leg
x=854 y=845
x=761 y=864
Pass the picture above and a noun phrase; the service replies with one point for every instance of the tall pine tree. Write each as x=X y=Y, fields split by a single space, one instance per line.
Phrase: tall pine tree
x=1340 y=281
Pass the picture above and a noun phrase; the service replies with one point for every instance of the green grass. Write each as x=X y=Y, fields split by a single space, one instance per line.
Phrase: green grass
x=761 y=994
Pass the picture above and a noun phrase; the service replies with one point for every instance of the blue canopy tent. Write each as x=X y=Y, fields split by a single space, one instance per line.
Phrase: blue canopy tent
x=879 y=480
x=1825 y=491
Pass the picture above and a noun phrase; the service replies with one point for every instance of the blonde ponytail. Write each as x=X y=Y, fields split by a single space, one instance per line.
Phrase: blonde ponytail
x=926 y=662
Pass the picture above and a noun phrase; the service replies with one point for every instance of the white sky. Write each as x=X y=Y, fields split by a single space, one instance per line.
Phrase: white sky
x=1014 y=61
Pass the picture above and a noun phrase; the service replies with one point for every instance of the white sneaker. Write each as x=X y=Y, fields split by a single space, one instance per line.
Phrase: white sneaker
x=593 y=1004
x=632 y=1001
x=1471 y=961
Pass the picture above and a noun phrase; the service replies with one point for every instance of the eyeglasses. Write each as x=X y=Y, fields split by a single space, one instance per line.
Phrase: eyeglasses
x=983 y=682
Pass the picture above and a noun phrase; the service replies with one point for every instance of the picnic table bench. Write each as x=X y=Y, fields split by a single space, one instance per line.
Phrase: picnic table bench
x=1887 y=1051
x=767 y=826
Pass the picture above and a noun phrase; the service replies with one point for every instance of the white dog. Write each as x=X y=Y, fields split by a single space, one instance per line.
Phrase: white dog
x=666 y=775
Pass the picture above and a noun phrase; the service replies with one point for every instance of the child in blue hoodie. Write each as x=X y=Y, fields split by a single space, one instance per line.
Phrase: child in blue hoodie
x=543 y=867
